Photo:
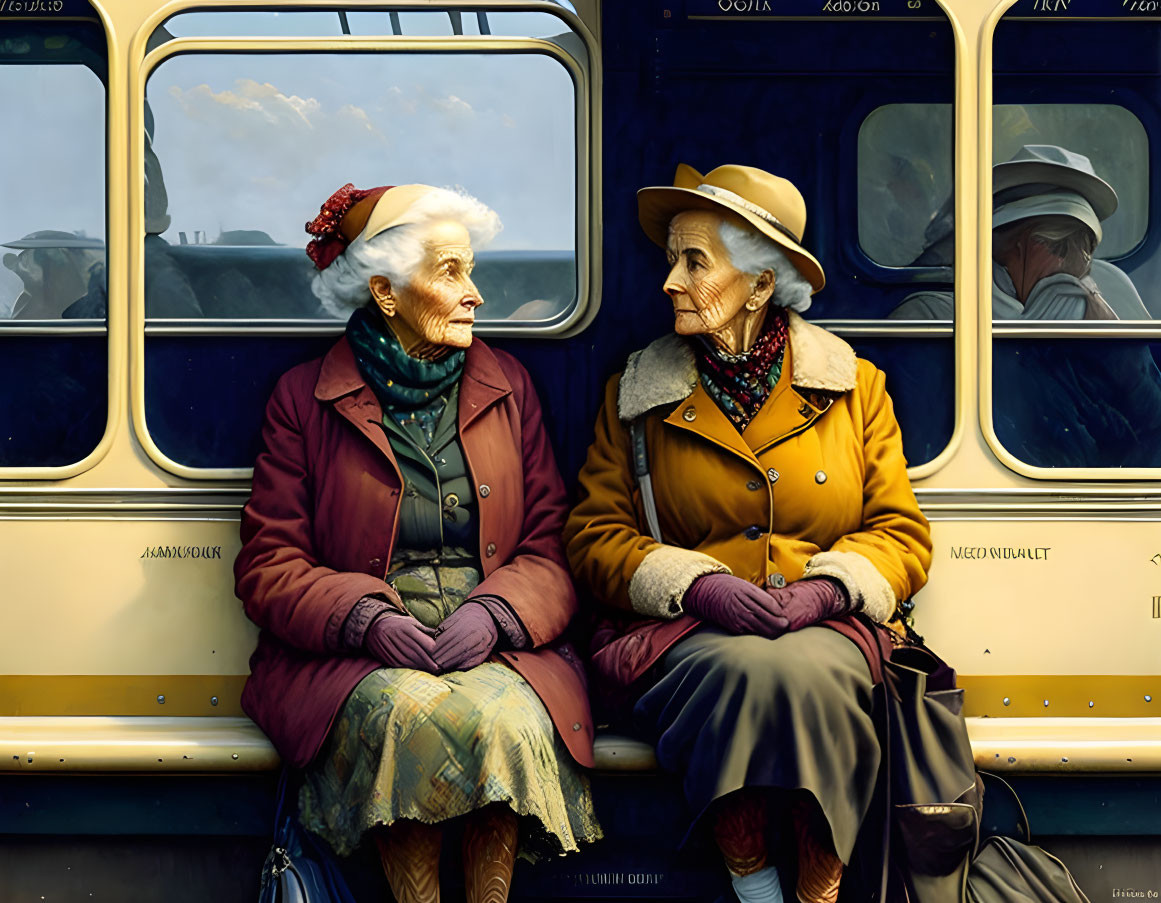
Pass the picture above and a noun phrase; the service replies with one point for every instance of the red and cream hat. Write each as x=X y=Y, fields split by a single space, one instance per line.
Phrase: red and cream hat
x=352 y=213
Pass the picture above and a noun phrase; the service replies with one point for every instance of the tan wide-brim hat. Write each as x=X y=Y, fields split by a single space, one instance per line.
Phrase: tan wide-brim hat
x=769 y=203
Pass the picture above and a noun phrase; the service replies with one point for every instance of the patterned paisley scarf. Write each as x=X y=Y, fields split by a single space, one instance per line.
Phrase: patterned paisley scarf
x=741 y=383
x=397 y=379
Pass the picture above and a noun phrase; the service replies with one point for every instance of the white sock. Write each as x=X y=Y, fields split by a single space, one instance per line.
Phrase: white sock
x=761 y=886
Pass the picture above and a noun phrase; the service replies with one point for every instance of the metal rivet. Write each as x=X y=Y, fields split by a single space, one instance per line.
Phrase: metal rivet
x=689 y=414
x=753 y=485
x=1011 y=760
x=161 y=700
x=451 y=500
x=213 y=700
x=576 y=727
x=490 y=550
x=1090 y=703
x=1007 y=701
x=776 y=581
x=820 y=477
x=772 y=475
x=485 y=490
x=1148 y=699
x=1045 y=703
x=234 y=756
x=1064 y=758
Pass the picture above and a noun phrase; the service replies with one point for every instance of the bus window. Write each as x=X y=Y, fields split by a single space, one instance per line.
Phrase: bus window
x=244 y=146
x=261 y=23
x=247 y=145
x=52 y=243
x=1076 y=345
x=905 y=187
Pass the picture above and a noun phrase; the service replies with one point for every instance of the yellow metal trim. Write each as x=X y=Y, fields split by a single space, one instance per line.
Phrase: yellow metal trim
x=1011 y=745
x=115 y=240
x=964 y=103
x=1067 y=695
x=119 y=695
x=1066 y=745
x=134 y=744
x=588 y=215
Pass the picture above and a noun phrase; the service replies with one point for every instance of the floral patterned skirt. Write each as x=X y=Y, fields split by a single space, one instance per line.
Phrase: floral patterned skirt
x=412 y=745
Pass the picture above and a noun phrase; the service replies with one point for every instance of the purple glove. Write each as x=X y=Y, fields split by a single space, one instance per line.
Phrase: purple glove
x=809 y=601
x=465 y=638
x=400 y=641
x=734 y=604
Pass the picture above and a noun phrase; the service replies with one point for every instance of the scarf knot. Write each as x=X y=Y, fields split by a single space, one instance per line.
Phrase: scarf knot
x=741 y=383
x=397 y=379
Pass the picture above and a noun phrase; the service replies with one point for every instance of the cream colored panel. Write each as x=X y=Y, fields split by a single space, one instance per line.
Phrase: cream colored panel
x=94 y=597
x=1045 y=597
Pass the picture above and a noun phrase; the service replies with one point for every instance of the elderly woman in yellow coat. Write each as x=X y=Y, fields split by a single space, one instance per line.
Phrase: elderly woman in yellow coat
x=747 y=484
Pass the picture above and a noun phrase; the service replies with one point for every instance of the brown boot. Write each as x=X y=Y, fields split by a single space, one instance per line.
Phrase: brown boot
x=740 y=831
x=409 y=851
x=819 y=869
x=489 y=853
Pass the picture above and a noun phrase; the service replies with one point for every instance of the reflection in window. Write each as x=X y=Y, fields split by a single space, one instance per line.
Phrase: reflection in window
x=249 y=143
x=1078 y=402
x=1057 y=216
x=52 y=180
x=905 y=184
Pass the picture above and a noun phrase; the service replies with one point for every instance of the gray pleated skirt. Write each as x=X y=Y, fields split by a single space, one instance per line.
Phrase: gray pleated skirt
x=729 y=712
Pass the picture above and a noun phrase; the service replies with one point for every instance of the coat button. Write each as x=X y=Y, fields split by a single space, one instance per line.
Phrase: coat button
x=485 y=490
x=753 y=532
x=753 y=485
x=775 y=581
x=376 y=562
x=820 y=477
x=490 y=550
x=689 y=414
x=576 y=726
x=772 y=475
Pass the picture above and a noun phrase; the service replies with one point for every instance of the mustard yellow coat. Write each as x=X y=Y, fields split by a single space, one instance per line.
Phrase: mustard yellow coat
x=816 y=485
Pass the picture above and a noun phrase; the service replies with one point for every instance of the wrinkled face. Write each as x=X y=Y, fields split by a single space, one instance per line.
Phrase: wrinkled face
x=440 y=303
x=706 y=289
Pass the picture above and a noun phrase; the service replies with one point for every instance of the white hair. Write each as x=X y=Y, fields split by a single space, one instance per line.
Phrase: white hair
x=397 y=252
x=752 y=252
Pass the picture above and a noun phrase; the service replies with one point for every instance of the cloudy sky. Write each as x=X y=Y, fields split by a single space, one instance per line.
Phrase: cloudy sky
x=260 y=141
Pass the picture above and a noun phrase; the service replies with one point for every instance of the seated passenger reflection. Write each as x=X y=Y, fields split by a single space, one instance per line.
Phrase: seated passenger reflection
x=56 y=268
x=1049 y=204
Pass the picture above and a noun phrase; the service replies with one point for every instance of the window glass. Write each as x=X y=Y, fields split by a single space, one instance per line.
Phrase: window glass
x=905 y=185
x=247 y=146
x=241 y=23
x=1073 y=248
x=1079 y=402
x=53 y=407
x=52 y=219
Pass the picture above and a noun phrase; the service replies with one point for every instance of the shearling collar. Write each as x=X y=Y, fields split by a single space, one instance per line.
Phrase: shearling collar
x=665 y=371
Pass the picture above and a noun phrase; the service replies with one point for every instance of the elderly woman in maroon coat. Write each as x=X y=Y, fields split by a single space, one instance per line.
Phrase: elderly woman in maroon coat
x=402 y=555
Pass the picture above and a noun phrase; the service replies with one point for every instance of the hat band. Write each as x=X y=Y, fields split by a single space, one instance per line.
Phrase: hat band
x=748 y=206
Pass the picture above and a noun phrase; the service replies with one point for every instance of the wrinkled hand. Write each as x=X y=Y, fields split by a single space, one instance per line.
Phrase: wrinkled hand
x=400 y=641
x=465 y=638
x=809 y=601
x=735 y=605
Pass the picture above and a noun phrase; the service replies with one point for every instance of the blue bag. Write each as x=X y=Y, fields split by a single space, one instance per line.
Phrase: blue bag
x=299 y=868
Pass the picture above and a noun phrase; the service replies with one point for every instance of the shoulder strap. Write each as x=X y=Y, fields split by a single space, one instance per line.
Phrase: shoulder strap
x=641 y=471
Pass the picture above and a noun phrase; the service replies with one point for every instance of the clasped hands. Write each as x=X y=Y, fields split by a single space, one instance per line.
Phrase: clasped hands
x=741 y=607
x=464 y=639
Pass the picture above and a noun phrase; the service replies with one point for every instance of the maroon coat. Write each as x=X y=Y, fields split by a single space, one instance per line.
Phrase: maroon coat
x=319 y=531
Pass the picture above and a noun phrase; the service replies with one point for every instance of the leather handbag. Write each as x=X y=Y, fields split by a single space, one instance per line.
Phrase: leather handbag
x=299 y=868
